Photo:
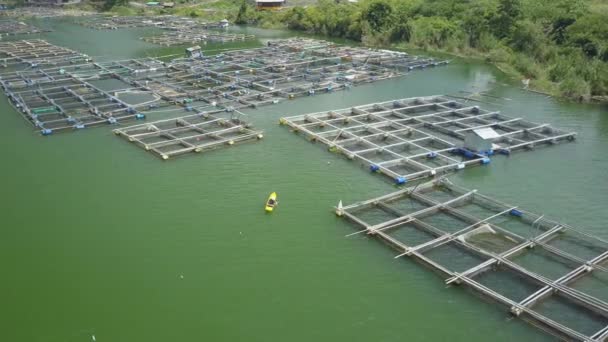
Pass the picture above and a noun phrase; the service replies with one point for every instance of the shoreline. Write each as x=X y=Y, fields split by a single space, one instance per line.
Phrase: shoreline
x=507 y=70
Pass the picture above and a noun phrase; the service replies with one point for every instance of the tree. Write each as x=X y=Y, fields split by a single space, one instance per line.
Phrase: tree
x=378 y=15
x=543 y=12
x=508 y=13
x=558 y=29
x=295 y=18
x=476 y=20
x=241 y=17
x=434 y=31
x=108 y=4
x=526 y=37
x=589 y=33
x=401 y=29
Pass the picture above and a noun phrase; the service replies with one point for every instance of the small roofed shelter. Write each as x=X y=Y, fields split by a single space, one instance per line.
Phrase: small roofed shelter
x=269 y=4
x=194 y=52
x=480 y=140
x=152 y=4
x=168 y=4
x=224 y=23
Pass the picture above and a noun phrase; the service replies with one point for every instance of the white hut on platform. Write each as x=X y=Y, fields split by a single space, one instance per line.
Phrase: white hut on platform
x=480 y=140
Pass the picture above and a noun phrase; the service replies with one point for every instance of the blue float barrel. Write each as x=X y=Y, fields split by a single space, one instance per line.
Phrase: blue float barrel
x=401 y=180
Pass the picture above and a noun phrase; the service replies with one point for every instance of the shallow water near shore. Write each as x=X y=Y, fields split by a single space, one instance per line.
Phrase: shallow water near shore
x=100 y=238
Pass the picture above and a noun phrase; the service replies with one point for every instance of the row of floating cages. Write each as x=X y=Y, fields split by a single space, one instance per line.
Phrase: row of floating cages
x=170 y=22
x=300 y=44
x=211 y=79
x=419 y=137
x=196 y=133
x=189 y=36
x=68 y=101
x=278 y=56
x=44 y=12
x=55 y=101
x=542 y=270
x=36 y=53
x=10 y=27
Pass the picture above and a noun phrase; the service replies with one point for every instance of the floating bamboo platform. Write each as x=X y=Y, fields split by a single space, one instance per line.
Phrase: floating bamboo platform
x=413 y=138
x=11 y=27
x=64 y=98
x=44 y=12
x=256 y=77
x=536 y=267
x=283 y=70
x=196 y=36
x=193 y=133
x=54 y=87
x=36 y=53
x=161 y=21
x=300 y=44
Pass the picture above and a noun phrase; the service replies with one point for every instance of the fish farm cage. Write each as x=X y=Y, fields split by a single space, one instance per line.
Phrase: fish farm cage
x=66 y=98
x=420 y=137
x=547 y=273
x=35 y=54
x=44 y=12
x=11 y=27
x=55 y=88
x=193 y=133
x=195 y=36
x=161 y=21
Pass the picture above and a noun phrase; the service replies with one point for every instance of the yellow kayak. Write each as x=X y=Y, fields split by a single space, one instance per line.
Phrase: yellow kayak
x=272 y=202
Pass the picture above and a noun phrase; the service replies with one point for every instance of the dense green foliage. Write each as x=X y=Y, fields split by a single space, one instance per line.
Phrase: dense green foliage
x=562 y=46
x=108 y=4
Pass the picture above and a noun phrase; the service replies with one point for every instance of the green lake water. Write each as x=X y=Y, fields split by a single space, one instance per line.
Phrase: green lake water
x=100 y=238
